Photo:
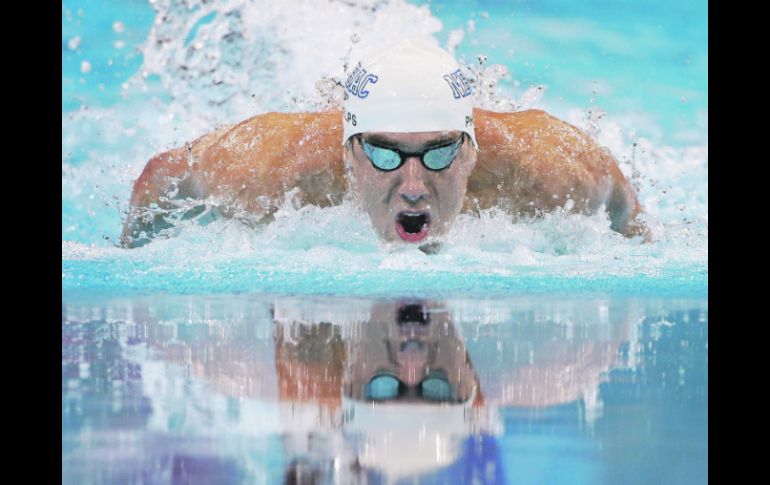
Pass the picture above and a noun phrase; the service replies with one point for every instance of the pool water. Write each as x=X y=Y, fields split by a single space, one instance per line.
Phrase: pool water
x=256 y=389
x=228 y=354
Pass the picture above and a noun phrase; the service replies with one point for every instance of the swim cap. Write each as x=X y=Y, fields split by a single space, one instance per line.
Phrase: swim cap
x=403 y=439
x=410 y=86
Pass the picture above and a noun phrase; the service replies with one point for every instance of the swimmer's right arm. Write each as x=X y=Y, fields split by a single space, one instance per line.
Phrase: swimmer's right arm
x=164 y=174
x=169 y=181
x=242 y=169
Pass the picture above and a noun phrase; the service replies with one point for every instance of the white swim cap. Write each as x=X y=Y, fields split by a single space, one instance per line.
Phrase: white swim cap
x=410 y=86
x=402 y=439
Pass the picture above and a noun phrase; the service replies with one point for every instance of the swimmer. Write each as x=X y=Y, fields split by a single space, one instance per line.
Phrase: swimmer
x=409 y=146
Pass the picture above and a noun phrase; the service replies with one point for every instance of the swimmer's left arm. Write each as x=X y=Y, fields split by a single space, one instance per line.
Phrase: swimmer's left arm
x=538 y=163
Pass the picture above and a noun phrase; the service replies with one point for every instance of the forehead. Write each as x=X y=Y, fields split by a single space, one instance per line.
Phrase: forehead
x=411 y=141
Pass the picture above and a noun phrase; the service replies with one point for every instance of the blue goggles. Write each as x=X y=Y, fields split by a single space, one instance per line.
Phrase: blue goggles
x=388 y=159
x=385 y=387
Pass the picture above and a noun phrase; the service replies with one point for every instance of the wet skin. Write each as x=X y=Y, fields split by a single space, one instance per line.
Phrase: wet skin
x=528 y=162
x=433 y=198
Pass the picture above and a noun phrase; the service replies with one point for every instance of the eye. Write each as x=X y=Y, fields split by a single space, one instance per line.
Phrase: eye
x=436 y=389
x=382 y=158
x=440 y=158
x=382 y=388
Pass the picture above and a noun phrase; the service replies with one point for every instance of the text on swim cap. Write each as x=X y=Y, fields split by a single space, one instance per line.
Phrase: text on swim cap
x=358 y=80
x=460 y=86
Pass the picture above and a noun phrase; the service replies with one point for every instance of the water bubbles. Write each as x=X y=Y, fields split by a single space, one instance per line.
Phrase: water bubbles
x=485 y=82
x=118 y=27
x=73 y=43
x=530 y=99
x=594 y=115
x=85 y=67
x=329 y=94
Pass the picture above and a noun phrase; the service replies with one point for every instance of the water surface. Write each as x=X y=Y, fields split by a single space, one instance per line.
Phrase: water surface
x=259 y=389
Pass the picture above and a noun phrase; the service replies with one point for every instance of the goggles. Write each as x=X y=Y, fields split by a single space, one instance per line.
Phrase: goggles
x=385 y=387
x=388 y=159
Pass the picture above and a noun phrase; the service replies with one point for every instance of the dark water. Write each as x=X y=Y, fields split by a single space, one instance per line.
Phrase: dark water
x=260 y=389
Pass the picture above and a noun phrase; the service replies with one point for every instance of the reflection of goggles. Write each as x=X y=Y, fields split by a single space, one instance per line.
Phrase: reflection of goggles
x=388 y=159
x=386 y=387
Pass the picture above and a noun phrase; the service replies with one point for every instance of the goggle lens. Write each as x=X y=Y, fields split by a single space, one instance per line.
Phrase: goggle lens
x=382 y=388
x=382 y=158
x=436 y=389
x=440 y=158
x=387 y=387
x=434 y=159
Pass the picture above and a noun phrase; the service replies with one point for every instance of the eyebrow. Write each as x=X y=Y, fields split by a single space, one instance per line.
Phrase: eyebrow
x=385 y=142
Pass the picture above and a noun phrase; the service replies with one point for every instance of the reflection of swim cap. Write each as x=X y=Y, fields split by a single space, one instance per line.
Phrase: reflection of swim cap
x=407 y=87
x=401 y=439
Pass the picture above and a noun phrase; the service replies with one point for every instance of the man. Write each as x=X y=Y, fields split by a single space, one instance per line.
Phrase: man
x=415 y=154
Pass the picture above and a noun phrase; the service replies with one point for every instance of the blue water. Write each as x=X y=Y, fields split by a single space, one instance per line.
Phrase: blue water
x=649 y=56
x=246 y=389
x=170 y=369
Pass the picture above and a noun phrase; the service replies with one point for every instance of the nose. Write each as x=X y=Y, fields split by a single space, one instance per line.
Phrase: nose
x=413 y=188
x=413 y=359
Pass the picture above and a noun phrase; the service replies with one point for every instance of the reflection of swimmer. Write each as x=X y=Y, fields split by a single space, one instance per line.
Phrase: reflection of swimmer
x=407 y=396
x=409 y=391
x=391 y=388
x=397 y=352
x=415 y=152
x=410 y=353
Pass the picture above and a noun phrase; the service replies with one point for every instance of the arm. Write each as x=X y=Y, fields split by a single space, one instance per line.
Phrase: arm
x=243 y=169
x=529 y=161
x=166 y=177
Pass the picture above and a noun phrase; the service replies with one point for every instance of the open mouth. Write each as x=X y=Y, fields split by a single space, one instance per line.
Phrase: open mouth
x=412 y=226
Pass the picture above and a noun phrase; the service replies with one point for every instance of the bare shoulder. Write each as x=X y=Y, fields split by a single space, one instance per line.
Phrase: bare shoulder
x=534 y=140
x=530 y=161
x=260 y=157
x=269 y=154
x=247 y=166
